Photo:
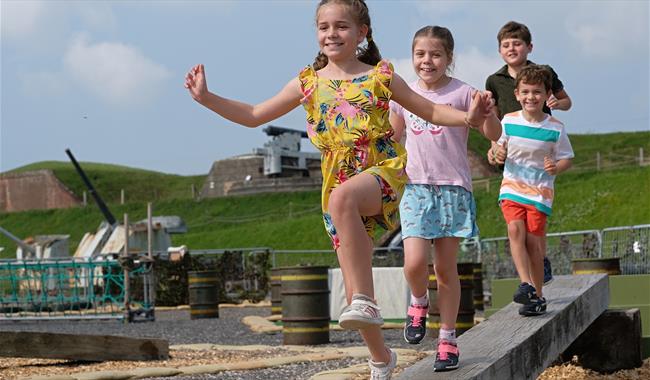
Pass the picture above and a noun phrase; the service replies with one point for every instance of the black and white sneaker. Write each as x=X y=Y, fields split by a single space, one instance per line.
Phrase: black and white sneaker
x=524 y=294
x=537 y=306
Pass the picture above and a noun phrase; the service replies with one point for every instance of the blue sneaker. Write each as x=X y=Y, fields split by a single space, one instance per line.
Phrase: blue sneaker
x=525 y=294
x=548 y=271
x=537 y=306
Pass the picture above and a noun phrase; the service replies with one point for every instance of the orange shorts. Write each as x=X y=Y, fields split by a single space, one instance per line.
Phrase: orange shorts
x=534 y=219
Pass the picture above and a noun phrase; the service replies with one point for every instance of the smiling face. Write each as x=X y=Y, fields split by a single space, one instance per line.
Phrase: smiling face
x=339 y=35
x=532 y=97
x=430 y=59
x=514 y=51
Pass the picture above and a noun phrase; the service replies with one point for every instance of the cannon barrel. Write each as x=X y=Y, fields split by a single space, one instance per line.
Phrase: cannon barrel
x=272 y=130
x=100 y=203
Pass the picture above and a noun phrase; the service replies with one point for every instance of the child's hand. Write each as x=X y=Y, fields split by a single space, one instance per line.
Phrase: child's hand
x=549 y=165
x=195 y=82
x=501 y=153
x=552 y=102
x=479 y=108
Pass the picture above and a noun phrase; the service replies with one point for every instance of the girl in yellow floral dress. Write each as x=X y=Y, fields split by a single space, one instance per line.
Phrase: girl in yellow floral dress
x=346 y=94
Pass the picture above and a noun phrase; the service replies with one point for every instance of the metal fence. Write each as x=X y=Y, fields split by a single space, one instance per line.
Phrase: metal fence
x=74 y=289
x=631 y=244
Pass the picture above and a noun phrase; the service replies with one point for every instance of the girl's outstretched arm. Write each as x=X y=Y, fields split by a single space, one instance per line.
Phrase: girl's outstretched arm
x=242 y=113
x=437 y=113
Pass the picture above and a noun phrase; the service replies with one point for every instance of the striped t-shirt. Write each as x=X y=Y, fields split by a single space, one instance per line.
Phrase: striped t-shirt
x=524 y=178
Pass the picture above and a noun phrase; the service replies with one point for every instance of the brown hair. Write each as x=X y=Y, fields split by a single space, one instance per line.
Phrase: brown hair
x=534 y=74
x=441 y=33
x=513 y=29
x=359 y=10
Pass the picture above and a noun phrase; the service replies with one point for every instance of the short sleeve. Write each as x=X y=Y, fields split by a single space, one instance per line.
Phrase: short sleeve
x=563 y=147
x=308 y=80
x=397 y=109
x=383 y=77
x=556 y=83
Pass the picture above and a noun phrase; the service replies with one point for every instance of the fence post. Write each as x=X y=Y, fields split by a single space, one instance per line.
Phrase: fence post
x=85 y=199
x=127 y=311
x=487 y=185
x=122 y=196
x=640 y=156
x=193 y=192
x=597 y=161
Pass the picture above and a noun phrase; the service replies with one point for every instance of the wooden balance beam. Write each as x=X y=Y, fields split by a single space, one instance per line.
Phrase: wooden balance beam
x=509 y=346
x=81 y=347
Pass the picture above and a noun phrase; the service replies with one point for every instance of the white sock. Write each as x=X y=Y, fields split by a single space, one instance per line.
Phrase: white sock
x=422 y=301
x=448 y=335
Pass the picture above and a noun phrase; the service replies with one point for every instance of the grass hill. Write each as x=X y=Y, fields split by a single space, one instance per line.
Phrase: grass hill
x=586 y=199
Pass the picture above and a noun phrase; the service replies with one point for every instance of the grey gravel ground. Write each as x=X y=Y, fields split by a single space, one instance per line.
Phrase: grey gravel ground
x=177 y=328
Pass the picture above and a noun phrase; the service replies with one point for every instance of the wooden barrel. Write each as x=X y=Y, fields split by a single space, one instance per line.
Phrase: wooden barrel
x=609 y=265
x=478 y=286
x=465 y=318
x=203 y=294
x=305 y=305
x=276 y=297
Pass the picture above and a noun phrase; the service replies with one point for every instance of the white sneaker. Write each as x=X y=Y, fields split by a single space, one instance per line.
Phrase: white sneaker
x=383 y=371
x=361 y=313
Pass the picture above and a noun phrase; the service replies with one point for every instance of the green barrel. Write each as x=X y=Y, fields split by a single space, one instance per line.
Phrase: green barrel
x=276 y=285
x=305 y=305
x=203 y=294
x=609 y=265
x=478 y=286
x=465 y=318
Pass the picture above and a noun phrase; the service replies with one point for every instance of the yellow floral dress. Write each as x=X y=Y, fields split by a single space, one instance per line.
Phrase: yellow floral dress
x=347 y=120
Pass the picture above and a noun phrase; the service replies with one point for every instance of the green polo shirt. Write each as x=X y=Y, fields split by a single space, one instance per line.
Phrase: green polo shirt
x=502 y=86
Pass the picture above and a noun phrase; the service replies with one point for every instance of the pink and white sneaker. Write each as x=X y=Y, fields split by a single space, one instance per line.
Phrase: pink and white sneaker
x=361 y=313
x=416 y=321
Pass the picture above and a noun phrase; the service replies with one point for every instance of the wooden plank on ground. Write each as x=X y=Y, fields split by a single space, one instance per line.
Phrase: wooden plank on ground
x=509 y=346
x=43 y=345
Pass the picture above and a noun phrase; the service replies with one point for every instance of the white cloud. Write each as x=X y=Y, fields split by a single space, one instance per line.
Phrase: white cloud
x=116 y=72
x=21 y=18
x=611 y=29
x=404 y=67
x=473 y=67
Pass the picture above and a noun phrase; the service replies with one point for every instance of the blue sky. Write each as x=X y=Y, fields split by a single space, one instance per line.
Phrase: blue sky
x=105 y=78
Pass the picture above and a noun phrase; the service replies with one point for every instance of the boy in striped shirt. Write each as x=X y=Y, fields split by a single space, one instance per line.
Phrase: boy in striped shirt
x=538 y=150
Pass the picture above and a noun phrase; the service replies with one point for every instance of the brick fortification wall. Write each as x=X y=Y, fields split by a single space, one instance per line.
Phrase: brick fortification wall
x=39 y=189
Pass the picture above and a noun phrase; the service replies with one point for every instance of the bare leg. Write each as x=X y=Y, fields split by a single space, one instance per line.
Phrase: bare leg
x=517 y=237
x=534 y=244
x=416 y=261
x=359 y=196
x=448 y=281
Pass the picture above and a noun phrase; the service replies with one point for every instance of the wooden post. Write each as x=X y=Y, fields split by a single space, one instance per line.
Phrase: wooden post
x=487 y=185
x=640 y=156
x=597 y=161
x=149 y=278
x=193 y=192
x=85 y=199
x=122 y=196
x=126 y=270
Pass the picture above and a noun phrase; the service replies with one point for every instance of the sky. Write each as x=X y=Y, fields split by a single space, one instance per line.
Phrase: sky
x=105 y=78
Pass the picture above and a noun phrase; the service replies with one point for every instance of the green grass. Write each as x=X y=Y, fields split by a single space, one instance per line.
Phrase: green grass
x=586 y=199
x=109 y=180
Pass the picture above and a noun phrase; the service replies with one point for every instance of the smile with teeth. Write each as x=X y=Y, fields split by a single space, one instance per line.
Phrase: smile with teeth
x=427 y=69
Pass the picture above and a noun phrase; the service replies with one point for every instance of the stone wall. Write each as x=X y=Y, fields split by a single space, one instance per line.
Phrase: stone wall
x=38 y=189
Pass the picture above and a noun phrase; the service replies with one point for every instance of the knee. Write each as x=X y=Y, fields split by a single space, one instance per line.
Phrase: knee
x=339 y=203
x=515 y=230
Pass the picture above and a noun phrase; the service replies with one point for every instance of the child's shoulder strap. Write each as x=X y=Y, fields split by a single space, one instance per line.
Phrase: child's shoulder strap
x=308 y=82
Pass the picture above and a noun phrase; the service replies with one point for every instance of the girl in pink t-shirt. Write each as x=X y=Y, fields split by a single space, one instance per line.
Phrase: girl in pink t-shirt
x=437 y=205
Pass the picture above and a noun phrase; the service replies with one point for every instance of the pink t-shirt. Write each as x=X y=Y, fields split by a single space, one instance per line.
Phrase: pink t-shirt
x=438 y=155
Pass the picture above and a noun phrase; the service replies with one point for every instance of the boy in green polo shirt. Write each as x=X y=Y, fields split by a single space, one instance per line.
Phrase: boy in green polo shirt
x=515 y=43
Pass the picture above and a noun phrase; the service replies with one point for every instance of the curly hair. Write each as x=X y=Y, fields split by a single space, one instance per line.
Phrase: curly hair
x=535 y=74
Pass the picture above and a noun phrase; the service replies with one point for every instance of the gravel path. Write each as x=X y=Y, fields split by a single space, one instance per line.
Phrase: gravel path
x=177 y=328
